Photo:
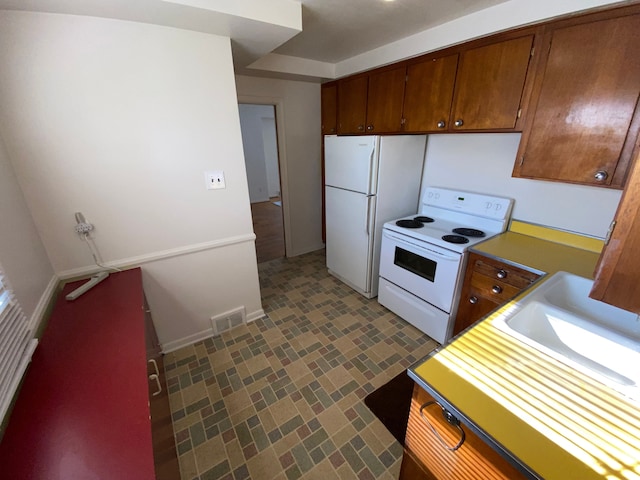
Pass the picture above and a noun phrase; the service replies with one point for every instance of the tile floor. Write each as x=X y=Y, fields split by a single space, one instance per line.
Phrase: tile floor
x=282 y=397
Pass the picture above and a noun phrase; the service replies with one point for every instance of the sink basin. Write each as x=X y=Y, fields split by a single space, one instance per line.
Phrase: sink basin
x=559 y=319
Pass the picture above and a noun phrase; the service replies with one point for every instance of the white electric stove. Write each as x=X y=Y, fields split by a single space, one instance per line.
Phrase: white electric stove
x=423 y=256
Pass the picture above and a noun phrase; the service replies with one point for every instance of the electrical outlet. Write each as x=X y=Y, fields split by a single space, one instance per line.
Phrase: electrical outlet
x=214 y=179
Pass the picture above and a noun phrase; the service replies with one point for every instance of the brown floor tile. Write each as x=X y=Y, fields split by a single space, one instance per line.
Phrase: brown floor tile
x=282 y=397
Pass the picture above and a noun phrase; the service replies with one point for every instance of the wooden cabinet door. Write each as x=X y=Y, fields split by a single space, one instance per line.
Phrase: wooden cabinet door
x=617 y=278
x=489 y=85
x=583 y=104
x=427 y=433
x=384 y=101
x=352 y=104
x=329 y=108
x=472 y=308
x=429 y=93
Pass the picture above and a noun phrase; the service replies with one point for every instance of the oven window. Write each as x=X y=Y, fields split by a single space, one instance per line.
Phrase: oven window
x=424 y=267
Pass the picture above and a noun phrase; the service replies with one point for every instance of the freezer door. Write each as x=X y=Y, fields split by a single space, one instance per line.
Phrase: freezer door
x=351 y=163
x=349 y=237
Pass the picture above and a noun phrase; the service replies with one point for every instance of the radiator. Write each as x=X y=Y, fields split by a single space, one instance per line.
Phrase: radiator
x=16 y=345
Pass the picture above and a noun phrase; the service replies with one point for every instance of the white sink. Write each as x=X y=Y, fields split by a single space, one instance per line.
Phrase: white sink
x=559 y=319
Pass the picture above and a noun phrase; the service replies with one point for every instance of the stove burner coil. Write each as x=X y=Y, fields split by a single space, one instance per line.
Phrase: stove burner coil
x=423 y=219
x=409 y=223
x=468 y=232
x=455 y=239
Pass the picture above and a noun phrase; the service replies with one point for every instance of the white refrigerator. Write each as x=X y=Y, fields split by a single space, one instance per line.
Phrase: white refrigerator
x=369 y=180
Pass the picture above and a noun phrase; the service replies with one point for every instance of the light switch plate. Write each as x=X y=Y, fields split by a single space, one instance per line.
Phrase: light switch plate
x=214 y=179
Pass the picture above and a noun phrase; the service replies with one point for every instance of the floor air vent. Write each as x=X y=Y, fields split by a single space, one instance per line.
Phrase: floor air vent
x=228 y=320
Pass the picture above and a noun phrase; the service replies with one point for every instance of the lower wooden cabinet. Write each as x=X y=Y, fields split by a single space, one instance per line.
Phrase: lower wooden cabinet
x=426 y=458
x=488 y=284
x=165 y=457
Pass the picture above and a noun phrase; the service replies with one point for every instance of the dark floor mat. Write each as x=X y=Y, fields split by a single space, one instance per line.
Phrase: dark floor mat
x=391 y=403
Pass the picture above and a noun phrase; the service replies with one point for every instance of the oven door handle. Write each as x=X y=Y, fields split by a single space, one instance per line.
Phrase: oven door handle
x=429 y=251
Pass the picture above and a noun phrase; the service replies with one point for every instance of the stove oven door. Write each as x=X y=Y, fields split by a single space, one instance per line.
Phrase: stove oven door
x=427 y=271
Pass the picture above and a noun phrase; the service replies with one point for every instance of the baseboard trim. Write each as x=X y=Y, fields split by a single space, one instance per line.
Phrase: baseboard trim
x=305 y=251
x=203 y=335
x=155 y=256
x=44 y=305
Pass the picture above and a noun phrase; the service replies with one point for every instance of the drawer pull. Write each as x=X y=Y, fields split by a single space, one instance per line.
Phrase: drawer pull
x=473 y=299
x=451 y=420
x=501 y=274
x=496 y=289
x=155 y=377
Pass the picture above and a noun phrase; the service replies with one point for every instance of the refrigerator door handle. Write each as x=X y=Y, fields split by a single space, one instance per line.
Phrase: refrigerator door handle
x=367 y=215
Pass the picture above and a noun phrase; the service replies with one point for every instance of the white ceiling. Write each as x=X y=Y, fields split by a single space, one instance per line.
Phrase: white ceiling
x=334 y=30
x=323 y=39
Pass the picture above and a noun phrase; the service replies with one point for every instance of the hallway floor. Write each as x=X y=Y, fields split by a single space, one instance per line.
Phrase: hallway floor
x=282 y=397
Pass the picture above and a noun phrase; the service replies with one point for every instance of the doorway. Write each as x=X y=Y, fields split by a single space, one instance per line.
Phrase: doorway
x=260 y=143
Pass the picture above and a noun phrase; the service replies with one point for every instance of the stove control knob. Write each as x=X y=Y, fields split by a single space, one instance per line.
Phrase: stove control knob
x=496 y=289
x=501 y=274
x=458 y=122
x=601 y=175
x=473 y=299
x=441 y=124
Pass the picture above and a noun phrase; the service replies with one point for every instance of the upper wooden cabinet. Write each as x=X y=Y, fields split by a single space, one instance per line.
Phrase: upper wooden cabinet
x=329 y=108
x=471 y=89
x=371 y=103
x=352 y=104
x=582 y=120
x=489 y=85
x=616 y=279
x=429 y=93
x=384 y=100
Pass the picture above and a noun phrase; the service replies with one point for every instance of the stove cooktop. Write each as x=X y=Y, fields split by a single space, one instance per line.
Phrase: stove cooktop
x=439 y=232
x=454 y=219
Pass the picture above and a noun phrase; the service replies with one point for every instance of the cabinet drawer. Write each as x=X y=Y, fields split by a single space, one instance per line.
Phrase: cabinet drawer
x=507 y=274
x=496 y=290
x=474 y=459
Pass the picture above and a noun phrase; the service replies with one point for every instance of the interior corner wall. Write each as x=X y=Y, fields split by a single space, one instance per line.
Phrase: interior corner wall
x=300 y=166
x=22 y=254
x=120 y=120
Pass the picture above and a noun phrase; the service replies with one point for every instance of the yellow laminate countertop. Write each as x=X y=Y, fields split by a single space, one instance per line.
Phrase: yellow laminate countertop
x=552 y=420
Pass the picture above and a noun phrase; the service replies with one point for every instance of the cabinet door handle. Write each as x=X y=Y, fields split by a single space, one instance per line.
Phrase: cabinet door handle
x=451 y=420
x=458 y=122
x=155 y=377
x=441 y=124
x=601 y=175
x=473 y=299
x=155 y=365
x=361 y=127
x=496 y=289
x=369 y=127
x=501 y=274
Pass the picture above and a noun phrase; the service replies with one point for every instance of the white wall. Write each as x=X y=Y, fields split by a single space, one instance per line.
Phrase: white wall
x=298 y=124
x=251 y=122
x=22 y=255
x=270 y=142
x=119 y=120
x=483 y=163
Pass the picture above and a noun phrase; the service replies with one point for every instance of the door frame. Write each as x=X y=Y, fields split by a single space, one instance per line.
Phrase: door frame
x=278 y=104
